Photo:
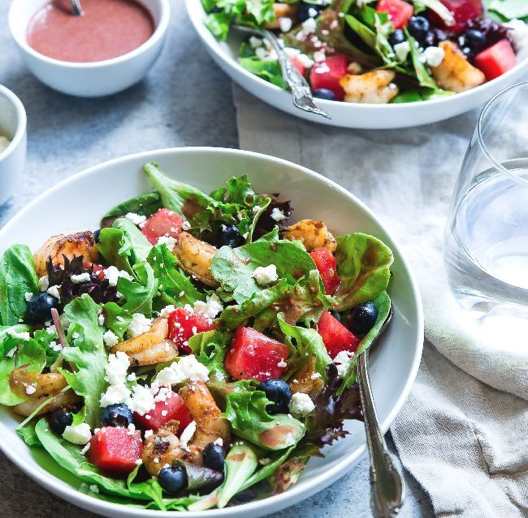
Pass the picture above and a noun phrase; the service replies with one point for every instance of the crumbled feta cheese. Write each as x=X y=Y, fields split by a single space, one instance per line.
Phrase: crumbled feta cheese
x=19 y=336
x=94 y=488
x=402 y=50
x=54 y=346
x=265 y=275
x=186 y=225
x=285 y=24
x=518 y=32
x=323 y=68
x=301 y=404
x=116 y=368
x=139 y=462
x=30 y=389
x=315 y=376
x=111 y=275
x=54 y=292
x=64 y=321
x=255 y=42
x=28 y=296
x=342 y=361
x=101 y=319
x=219 y=442
x=84 y=451
x=114 y=395
x=137 y=219
x=434 y=56
x=79 y=434
x=319 y=56
x=82 y=277
x=170 y=242
x=309 y=26
x=43 y=283
x=305 y=61
x=75 y=336
x=282 y=364
x=139 y=324
x=264 y=461
x=51 y=330
x=192 y=369
x=11 y=353
x=131 y=429
x=110 y=338
x=187 y=434
x=210 y=308
x=131 y=377
x=142 y=401
x=149 y=433
x=166 y=311
x=170 y=376
x=277 y=214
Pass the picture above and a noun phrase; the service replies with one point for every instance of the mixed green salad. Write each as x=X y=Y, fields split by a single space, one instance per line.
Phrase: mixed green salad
x=195 y=351
x=379 y=51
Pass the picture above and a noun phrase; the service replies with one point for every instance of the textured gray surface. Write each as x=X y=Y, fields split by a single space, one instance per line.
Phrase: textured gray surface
x=184 y=101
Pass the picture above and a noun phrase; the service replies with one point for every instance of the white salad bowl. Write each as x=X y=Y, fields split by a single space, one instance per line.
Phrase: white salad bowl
x=97 y=78
x=79 y=202
x=348 y=115
x=13 y=123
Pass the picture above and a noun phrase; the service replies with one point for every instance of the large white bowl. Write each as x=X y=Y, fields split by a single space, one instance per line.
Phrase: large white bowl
x=348 y=115
x=93 y=79
x=78 y=203
x=13 y=123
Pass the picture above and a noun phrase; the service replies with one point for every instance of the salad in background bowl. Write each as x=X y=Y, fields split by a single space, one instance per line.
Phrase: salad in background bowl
x=381 y=52
x=198 y=349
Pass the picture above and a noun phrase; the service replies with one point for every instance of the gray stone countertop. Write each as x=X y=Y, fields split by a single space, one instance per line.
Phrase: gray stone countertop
x=184 y=101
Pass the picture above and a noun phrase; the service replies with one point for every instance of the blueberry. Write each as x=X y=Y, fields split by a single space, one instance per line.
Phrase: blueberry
x=214 y=457
x=362 y=318
x=398 y=36
x=39 y=307
x=475 y=40
x=418 y=27
x=429 y=40
x=96 y=235
x=279 y=393
x=306 y=11
x=228 y=235
x=173 y=479
x=59 y=419
x=323 y=93
x=116 y=415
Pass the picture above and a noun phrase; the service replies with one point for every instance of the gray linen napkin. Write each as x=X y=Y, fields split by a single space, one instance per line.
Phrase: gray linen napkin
x=461 y=438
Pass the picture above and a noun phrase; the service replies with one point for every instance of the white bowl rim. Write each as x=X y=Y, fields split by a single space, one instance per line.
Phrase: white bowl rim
x=159 y=32
x=56 y=486
x=21 y=121
x=276 y=90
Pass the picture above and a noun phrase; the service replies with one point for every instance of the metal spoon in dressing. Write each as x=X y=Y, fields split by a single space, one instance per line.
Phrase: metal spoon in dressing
x=76 y=7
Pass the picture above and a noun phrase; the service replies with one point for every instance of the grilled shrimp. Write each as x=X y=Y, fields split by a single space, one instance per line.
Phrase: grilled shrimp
x=371 y=88
x=210 y=425
x=455 y=73
x=306 y=379
x=282 y=11
x=151 y=347
x=313 y=234
x=164 y=447
x=71 y=245
x=195 y=257
x=45 y=386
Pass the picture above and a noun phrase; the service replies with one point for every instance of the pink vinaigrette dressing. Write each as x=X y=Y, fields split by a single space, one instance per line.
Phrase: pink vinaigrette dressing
x=108 y=29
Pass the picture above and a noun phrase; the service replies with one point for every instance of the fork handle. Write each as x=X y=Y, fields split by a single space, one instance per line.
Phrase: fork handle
x=387 y=490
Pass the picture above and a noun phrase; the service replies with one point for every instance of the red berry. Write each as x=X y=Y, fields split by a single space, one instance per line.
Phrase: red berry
x=116 y=449
x=184 y=324
x=165 y=222
x=253 y=355
x=336 y=336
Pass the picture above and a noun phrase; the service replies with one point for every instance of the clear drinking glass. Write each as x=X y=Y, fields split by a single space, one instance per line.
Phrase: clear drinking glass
x=486 y=238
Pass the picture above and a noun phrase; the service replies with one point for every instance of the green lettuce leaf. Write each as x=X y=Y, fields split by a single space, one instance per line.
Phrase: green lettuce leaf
x=145 y=205
x=84 y=330
x=139 y=244
x=363 y=263
x=210 y=348
x=117 y=319
x=115 y=249
x=508 y=9
x=265 y=69
x=17 y=277
x=246 y=411
x=139 y=295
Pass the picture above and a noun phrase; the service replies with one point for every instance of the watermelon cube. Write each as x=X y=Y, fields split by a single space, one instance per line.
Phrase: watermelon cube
x=164 y=223
x=399 y=12
x=171 y=407
x=255 y=356
x=336 y=336
x=496 y=60
x=326 y=264
x=327 y=74
x=184 y=324
x=116 y=450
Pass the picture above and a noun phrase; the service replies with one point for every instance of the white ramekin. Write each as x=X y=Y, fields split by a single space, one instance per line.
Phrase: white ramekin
x=89 y=79
x=13 y=126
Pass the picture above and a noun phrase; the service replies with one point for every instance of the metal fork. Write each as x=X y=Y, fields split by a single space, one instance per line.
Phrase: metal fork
x=76 y=7
x=387 y=489
x=300 y=89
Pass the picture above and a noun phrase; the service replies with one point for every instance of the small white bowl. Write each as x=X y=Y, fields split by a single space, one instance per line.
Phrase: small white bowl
x=349 y=115
x=97 y=78
x=13 y=126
